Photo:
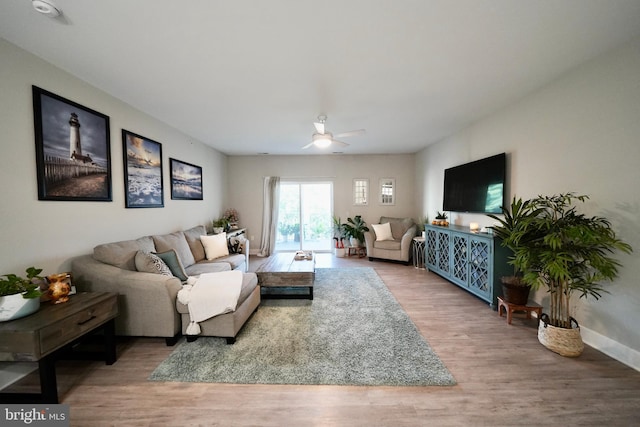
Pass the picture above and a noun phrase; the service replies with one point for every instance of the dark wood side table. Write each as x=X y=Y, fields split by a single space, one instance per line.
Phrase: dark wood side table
x=37 y=338
x=509 y=308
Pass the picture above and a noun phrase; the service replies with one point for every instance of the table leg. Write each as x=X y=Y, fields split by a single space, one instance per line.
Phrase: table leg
x=110 y=342
x=48 y=382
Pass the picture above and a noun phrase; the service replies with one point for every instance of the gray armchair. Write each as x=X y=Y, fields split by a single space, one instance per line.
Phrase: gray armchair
x=403 y=230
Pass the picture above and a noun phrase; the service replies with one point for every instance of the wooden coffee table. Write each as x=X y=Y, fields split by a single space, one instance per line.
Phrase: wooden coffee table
x=284 y=270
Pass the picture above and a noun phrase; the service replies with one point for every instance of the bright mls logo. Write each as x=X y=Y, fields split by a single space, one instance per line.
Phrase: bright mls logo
x=35 y=415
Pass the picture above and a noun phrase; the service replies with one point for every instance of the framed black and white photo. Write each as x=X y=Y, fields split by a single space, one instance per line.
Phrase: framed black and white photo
x=73 y=157
x=186 y=180
x=142 y=171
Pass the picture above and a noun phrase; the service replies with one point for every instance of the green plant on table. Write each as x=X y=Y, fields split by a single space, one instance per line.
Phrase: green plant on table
x=29 y=287
x=355 y=227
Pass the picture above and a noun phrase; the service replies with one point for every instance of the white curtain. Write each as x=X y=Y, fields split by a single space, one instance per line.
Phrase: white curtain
x=269 y=215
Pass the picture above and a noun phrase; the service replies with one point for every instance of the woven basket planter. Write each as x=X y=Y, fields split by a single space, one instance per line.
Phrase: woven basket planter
x=564 y=341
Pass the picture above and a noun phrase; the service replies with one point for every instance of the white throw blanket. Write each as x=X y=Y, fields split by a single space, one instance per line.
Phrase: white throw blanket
x=210 y=295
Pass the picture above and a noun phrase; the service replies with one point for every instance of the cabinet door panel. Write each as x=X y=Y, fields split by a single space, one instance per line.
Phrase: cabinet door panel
x=443 y=252
x=460 y=260
x=479 y=267
x=432 y=249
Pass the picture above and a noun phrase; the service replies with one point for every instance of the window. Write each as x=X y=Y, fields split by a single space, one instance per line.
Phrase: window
x=360 y=191
x=305 y=216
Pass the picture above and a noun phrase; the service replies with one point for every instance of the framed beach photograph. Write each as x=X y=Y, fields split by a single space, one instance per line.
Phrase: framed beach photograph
x=186 y=180
x=73 y=157
x=142 y=171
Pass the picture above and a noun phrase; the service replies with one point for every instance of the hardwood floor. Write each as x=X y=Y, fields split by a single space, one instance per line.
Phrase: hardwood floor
x=505 y=377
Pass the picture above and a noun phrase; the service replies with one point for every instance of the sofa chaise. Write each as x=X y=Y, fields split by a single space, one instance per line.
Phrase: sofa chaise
x=147 y=301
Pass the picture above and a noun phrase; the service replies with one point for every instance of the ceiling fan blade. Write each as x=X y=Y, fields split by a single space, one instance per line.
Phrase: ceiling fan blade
x=319 y=127
x=340 y=143
x=351 y=133
x=307 y=146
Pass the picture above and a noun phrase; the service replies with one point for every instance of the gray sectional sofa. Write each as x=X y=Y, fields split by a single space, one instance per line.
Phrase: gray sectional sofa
x=147 y=301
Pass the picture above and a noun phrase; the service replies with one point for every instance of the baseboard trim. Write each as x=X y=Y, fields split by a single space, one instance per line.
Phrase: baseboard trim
x=611 y=348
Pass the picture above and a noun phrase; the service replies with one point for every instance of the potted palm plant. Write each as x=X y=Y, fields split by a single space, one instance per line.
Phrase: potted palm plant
x=354 y=229
x=565 y=251
x=511 y=233
x=19 y=296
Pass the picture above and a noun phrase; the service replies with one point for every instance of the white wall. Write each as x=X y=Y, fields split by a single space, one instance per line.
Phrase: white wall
x=580 y=133
x=47 y=234
x=247 y=173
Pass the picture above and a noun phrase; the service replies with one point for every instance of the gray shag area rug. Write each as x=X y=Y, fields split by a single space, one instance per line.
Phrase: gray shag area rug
x=354 y=332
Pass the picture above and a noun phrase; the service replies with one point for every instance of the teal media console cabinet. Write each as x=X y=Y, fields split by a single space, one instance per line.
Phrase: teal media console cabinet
x=472 y=260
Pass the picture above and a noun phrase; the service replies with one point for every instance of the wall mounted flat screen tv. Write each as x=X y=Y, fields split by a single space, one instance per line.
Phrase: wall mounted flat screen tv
x=477 y=186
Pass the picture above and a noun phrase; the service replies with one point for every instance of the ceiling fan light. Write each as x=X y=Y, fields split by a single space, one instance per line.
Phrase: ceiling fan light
x=321 y=140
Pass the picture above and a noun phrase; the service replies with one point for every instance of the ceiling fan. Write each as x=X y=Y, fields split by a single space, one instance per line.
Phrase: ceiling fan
x=322 y=138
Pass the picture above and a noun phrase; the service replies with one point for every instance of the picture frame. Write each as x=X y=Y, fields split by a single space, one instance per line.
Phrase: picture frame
x=387 y=191
x=143 y=180
x=73 y=153
x=186 y=180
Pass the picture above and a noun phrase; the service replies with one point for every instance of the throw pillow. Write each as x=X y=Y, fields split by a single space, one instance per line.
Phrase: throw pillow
x=215 y=246
x=383 y=231
x=172 y=260
x=193 y=239
x=150 y=263
x=178 y=242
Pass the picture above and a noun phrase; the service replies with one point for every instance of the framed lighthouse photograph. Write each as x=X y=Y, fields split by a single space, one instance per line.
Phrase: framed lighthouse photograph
x=72 y=150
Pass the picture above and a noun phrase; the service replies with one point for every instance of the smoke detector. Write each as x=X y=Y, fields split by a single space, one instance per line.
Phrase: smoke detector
x=46 y=7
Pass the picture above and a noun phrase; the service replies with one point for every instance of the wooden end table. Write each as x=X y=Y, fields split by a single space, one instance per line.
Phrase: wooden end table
x=510 y=308
x=39 y=336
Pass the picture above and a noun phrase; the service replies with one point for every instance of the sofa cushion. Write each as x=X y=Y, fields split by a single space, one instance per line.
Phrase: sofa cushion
x=122 y=254
x=193 y=239
x=172 y=260
x=392 y=245
x=151 y=263
x=382 y=231
x=215 y=246
x=175 y=241
x=235 y=260
x=207 y=267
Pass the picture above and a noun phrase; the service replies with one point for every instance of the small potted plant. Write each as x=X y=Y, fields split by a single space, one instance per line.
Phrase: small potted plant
x=338 y=236
x=354 y=229
x=421 y=223
x=219 y=225
x=20 y=296
x=441 y=219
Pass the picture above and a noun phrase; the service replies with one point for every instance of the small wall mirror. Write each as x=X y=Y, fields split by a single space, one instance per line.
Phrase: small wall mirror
x=360 y=191
x=387 y=191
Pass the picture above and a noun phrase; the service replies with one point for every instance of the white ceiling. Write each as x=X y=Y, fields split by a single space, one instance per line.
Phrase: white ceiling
x=248 y=77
